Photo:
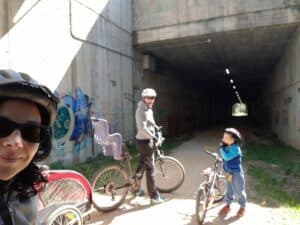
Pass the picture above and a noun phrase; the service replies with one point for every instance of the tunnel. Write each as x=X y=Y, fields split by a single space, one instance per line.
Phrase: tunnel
x=221 y=67
x=223 y=54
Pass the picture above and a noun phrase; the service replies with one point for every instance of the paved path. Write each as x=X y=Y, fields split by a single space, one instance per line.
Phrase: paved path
x=179 y=208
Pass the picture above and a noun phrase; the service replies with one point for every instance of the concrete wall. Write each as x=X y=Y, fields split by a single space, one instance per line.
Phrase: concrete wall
x=282 y=96
x=173 y=19
x=81 y=49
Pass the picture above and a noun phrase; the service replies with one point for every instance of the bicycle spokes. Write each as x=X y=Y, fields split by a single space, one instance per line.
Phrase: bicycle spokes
x=168 y=174
x=110 y=187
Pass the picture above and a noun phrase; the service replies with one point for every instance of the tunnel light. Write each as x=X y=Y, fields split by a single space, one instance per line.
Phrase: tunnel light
x=227 y=71
x=239 y=109
x=234 y=87
x=236 y=93
x=231 y=81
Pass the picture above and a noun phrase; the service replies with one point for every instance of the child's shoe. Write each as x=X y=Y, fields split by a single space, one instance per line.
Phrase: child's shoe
x=240 y=212
x=224 y=210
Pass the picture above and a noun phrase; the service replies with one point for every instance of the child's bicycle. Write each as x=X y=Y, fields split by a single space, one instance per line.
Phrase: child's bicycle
x=112 y=184
x=212 y=190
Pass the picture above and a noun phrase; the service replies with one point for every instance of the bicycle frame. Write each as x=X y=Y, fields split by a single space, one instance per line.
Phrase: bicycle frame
x=126 y=162
x=212 y=174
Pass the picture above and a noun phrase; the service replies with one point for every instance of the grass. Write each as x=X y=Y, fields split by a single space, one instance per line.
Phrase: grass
x=268 y=183
x=269 y=186
x=95 y=163
x=286 y=158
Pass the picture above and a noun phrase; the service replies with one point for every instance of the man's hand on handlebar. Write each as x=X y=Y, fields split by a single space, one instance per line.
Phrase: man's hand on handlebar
x=158 y=128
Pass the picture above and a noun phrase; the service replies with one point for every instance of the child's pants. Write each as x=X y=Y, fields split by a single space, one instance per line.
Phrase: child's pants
x=236 y=188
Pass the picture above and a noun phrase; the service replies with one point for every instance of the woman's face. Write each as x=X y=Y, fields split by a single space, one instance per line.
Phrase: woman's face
x=15 y=152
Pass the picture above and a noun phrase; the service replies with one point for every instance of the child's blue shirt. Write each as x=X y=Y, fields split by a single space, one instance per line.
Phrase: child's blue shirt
x=232 y=158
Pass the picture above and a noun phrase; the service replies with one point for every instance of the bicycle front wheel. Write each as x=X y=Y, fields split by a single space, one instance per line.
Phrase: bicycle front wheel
x=65 y=215
x=201 y=205
x=169 y=174
x=220 y=189
x=110 y=187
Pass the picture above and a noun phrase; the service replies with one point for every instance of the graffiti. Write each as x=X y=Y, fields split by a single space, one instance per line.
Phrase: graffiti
x=72 y=128
x=73 y=124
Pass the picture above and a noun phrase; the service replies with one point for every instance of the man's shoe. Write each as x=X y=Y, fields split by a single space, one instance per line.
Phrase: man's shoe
x=140 y=193
x=157 y=200
x=224 y=210
x=241 y=212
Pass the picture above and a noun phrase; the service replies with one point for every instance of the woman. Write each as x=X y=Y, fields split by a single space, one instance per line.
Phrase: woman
x=26 y=112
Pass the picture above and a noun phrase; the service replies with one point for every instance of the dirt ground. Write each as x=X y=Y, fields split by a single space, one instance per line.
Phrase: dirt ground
x=179 y=207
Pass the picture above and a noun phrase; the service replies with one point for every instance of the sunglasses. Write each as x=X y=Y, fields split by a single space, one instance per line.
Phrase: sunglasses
x=30 y=132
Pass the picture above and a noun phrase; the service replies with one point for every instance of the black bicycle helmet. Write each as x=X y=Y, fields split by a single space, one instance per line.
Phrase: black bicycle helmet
x=20 y=85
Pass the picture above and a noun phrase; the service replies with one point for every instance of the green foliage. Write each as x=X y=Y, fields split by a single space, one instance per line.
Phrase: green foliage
x=286 y=158
x=87 y=168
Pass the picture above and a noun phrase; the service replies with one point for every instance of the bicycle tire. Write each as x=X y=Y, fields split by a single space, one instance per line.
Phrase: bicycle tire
x=167 y=170
x=65 y=215
x=109 y=188
x=201 y=205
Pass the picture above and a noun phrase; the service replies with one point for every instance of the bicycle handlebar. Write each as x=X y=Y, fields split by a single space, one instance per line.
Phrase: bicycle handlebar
x=215 y=155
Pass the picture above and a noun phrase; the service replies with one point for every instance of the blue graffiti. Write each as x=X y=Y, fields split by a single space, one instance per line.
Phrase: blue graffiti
x=82 y=108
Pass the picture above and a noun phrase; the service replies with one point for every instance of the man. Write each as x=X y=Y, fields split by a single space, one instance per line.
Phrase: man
x=145 y=139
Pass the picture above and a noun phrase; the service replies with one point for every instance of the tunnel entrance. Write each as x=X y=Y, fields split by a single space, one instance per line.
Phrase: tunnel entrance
x=228 y=67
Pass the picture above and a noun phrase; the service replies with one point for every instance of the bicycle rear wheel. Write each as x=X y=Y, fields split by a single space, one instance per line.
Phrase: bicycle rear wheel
x=110 y=187
x=201 y=205
x=169 y=174
x=65 y=215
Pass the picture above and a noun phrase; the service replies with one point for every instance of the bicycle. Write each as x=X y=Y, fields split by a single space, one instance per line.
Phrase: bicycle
x=112 y=184
x=212 y=190
x=69 y=198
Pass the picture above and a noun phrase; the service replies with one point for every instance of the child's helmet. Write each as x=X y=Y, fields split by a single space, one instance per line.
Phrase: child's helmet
x=234 y=132
x=20 y=85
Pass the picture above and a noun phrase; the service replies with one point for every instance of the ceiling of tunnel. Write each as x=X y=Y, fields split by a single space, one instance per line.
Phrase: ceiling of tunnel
x=250 y=54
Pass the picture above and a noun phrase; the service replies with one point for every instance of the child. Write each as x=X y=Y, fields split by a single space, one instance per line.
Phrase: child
x=232 y=165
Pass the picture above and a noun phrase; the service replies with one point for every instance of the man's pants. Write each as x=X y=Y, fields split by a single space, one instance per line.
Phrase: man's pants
x=146 y=162
x=236 y=188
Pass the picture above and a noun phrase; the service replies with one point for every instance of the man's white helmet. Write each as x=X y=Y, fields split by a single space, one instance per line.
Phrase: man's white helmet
x=149 y=92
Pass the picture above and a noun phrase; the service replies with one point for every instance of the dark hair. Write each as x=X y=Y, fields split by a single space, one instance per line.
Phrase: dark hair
x=28 y=182
x=44 y=147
